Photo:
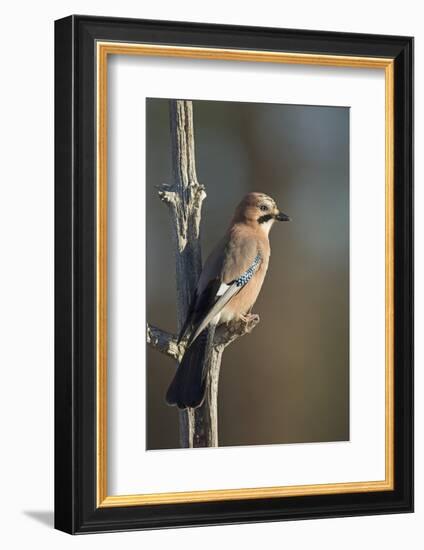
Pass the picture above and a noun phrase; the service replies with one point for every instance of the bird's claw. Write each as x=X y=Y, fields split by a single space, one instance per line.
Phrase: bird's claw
x=249 y=318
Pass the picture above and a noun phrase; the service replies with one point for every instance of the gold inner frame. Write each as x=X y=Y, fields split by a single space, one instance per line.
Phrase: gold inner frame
x=104 y=49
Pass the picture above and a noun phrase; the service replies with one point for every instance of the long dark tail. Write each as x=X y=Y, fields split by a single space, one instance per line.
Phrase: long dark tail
x=187 y=389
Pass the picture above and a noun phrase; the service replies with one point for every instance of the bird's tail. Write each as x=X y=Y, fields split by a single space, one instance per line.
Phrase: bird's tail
x=187 y=389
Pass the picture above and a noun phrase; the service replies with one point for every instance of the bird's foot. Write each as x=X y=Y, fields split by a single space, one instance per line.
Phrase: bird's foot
x=250 y=318
x=228 y=332
x=247 y=322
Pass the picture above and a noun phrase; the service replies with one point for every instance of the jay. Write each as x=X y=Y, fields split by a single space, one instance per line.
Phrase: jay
x=227 y=289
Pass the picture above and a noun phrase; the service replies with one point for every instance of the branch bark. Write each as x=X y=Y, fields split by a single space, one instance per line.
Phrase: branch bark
x=184 y=198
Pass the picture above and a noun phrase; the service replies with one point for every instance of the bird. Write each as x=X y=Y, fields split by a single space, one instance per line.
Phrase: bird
x=227 y=289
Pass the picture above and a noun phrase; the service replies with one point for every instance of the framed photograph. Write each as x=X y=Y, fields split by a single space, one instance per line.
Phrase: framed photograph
x=234 y=274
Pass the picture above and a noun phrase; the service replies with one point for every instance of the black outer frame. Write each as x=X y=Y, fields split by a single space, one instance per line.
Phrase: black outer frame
x=75 y=275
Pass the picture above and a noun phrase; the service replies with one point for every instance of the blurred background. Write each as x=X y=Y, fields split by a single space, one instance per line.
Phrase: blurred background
x=288 y=381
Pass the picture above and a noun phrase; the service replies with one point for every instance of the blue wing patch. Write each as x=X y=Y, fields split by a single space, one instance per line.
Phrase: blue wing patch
x=250 y=271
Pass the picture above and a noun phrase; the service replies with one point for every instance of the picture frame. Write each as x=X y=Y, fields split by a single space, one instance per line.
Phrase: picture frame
x=83 y=45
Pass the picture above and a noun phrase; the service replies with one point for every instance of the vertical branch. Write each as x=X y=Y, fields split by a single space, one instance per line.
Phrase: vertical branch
x=184 y=197
x=187 y=205
x=205 y=418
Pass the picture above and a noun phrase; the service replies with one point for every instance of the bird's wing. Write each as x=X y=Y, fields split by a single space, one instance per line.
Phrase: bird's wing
x=240 y=253
x=227 y=269
x=219 y=292
x=200 y=302
x=207 y=288
x=224 y=295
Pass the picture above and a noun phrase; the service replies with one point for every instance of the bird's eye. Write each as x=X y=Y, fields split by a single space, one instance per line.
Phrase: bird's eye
x=263 y=208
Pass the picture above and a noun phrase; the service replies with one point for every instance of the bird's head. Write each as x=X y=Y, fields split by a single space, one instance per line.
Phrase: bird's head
x=259 y=210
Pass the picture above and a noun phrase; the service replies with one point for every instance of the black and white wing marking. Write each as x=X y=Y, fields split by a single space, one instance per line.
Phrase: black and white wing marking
x=199 y=304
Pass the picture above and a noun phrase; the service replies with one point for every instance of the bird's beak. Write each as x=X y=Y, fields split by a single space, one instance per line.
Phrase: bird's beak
x=282 y=217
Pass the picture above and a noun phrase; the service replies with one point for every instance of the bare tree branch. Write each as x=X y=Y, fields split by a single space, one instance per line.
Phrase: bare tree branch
x=164 y=342
x=184 y=198
x=167 y=344
x=226 y=334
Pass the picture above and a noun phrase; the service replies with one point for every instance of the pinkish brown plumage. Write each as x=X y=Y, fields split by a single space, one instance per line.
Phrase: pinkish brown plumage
x=228 y=287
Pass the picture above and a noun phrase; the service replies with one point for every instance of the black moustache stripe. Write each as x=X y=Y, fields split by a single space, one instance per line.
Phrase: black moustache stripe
x=265 y=218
